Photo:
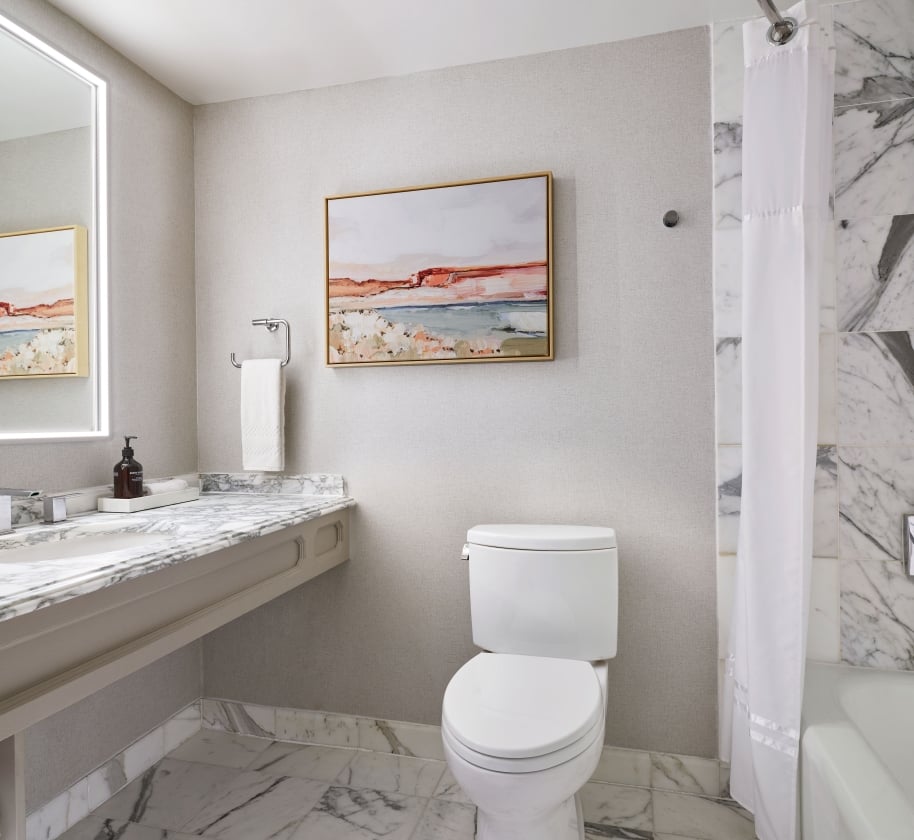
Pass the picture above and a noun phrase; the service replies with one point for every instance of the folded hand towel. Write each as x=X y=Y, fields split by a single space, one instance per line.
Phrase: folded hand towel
x=166 y=485
x=263 y=396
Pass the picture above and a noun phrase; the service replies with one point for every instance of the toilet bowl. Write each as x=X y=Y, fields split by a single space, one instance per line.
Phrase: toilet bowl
x=522 y=735
x=523 y=722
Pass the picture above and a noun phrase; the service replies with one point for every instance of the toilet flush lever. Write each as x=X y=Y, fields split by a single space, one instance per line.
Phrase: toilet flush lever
x=465 y=554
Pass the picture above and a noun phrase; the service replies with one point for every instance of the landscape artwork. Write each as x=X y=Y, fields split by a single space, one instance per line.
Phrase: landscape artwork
x=43 y=307
x=454 y=273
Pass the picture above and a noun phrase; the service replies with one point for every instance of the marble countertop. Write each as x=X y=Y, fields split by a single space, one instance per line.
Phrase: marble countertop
x=216 y=521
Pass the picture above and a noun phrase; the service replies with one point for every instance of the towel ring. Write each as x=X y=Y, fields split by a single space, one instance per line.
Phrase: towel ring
x=272 y=324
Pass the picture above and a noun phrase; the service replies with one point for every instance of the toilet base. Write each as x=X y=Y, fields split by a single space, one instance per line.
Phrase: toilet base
x=564 y=823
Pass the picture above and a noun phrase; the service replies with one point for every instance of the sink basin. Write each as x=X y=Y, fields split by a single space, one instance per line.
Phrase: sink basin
x=80 y=546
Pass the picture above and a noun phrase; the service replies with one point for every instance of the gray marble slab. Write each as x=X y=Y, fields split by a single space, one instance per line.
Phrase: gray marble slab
x=876 y=274
x=877 y=614
x=310 y=484
x=874 y=42
x=346 y=814
x=189 y=530
x=876 y=388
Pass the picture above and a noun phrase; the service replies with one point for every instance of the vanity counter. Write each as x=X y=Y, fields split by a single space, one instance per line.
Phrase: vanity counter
x=189 y=530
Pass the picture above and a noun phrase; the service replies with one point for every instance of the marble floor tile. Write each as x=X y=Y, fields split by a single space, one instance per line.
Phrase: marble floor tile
x=347 y=814
x=877 y=614
x=169 y=794
x=874 y=160
x=700 y=817
x=623 y=767
x=876 y=389
x=254 y=805
x=593 y=831
x=874 y=42
x=685 y=773
x=449 y=791
x=392 y=773
x=876 y=274
x=97 y=828
x=446 y=821
x=875 y=487
x=210 y=746
x=624 y=807
x=304 y=761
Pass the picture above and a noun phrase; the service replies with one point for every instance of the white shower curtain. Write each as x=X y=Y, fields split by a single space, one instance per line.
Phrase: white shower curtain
x=786 y=183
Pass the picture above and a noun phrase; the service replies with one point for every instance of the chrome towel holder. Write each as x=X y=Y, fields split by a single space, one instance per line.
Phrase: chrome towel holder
x=272 y=324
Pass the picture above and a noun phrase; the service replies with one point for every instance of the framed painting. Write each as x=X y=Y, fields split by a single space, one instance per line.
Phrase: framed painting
x=43 y=303
x=442 y=273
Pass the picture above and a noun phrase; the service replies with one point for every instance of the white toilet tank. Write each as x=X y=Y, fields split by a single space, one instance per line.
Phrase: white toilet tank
x=545 y=590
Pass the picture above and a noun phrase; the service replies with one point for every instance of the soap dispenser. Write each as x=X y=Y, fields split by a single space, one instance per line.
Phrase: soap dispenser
x=128 y=474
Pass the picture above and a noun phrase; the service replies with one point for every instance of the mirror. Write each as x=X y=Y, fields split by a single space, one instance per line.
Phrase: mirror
x=53 y=248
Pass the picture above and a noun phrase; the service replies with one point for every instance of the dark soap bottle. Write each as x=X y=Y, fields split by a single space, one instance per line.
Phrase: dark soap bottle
x=128 y=474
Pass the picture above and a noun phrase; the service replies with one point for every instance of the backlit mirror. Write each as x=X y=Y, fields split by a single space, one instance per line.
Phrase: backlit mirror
x=53 y=249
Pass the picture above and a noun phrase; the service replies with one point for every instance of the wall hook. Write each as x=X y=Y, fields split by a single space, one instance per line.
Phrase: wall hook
x=670 y=218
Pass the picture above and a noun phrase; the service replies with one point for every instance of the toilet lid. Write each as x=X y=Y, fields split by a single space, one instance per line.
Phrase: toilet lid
x=513 y=706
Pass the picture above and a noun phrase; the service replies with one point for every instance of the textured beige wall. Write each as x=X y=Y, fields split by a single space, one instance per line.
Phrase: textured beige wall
x=151 y=270
x=617 y=431
x=63 y=748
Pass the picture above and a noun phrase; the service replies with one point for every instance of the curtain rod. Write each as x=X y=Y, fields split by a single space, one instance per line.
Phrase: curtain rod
x=782 y=29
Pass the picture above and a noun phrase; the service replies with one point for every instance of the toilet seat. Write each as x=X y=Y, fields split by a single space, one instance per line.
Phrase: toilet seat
x=515 y=713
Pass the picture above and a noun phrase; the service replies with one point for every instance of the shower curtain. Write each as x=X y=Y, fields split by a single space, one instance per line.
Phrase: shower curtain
x=788 y=104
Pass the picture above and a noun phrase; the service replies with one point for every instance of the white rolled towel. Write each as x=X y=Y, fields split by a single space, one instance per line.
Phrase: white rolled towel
x=168 y=485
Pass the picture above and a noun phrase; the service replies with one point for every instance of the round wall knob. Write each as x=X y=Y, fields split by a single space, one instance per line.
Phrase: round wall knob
x=671 y=218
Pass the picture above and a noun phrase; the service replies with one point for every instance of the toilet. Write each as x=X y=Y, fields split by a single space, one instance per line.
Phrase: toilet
x=523 y=721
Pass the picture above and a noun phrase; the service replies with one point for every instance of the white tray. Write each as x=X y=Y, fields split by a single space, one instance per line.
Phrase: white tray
x=111 y=505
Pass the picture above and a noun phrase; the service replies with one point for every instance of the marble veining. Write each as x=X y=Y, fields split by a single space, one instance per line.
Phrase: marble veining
x=876 y=274
x=190 y=530
x=876 y=388
x=875 y=51
x=313 y=484
x=728 y=175
x=727 y=369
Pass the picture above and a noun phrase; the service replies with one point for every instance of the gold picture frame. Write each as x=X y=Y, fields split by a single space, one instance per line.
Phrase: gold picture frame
x=44 y=307
x=441 y=273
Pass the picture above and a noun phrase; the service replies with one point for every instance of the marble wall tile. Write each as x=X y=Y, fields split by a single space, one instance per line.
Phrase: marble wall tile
x=729 y=396
x=623 y=767
x=728 y=282
x=726 y=583
x=825 y=503
x=874 y=159
x=700 y=817
x=876 y=487
x=240 y=718
x=827 y=431
x=876 y=274
x=828 y=316
x=876 y=388
x=392 y=736
x=626 y=807
x=727 y=79
x=54 y=818
x=447 y=821
x=875 y=51
x=392 y=773
x=685 y=773
x=728 y=181
x=317 y=728
x=346 y=814
x=877 y=614
x=185 y=724
x=256 y=805
x=144 y=752
x=106 y=781
x=729 y=489
x=226 y=749
x=823 y=642
x=304 y=761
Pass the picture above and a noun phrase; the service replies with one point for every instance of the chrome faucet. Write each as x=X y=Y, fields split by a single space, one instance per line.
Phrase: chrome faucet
x=7 y=494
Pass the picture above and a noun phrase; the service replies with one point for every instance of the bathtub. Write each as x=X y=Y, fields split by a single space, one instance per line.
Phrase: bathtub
x=857 y=754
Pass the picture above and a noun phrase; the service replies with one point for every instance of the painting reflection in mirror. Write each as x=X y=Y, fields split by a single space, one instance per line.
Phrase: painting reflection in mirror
x=43 y=304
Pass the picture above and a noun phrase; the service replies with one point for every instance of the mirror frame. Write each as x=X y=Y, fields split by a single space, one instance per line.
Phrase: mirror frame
x=98 y=240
